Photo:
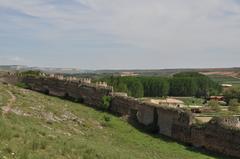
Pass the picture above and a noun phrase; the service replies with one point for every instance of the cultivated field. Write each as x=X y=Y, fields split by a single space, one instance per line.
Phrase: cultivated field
x=36 y=126
x=223 y=79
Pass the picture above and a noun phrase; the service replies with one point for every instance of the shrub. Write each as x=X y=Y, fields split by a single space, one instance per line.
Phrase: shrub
x=106 y=102
x=234 y=105
x=23 y=85
x=31 y=73
x=213 y=104
x=106 y=121
x=107 y=118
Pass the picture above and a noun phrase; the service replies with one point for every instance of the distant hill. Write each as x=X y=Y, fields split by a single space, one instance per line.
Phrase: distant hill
x=231 y=72
x=43 y=69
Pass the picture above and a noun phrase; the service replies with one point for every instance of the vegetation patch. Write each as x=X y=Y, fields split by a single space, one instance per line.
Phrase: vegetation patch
x=30 y=73
x=234 y=105
x=180 y=84
x=23 y=85
x=106 y=101
x=214 y=105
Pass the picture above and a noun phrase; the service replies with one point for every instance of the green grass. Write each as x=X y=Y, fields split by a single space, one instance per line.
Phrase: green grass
x=84 y=134
x=4 y=96
x=191 y=100
x=226 y=80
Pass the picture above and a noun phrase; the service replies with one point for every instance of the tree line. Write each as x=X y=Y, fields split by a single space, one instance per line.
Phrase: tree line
x=180 y=84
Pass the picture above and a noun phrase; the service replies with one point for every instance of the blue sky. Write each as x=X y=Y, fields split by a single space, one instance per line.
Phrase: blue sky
x=120 y=34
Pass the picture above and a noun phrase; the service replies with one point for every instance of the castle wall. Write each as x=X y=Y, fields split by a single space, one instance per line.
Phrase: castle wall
x=5 y=78
x=217 y=137
x=88 y=94
x=220 y=135
x=165 y=121
x=130 y=106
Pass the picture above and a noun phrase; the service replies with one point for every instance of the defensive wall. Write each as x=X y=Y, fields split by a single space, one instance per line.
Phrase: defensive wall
x=221 y=135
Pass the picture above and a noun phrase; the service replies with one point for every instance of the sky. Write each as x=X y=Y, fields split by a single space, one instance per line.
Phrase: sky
x=120 y=34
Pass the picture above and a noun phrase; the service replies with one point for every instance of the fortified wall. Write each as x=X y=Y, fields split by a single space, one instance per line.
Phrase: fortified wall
x=86 y=93
x=220 y=134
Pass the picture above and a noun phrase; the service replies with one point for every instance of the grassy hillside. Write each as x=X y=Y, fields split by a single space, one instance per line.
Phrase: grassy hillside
x=36 y=126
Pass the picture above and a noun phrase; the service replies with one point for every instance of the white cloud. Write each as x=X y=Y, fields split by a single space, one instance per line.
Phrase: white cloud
x=166 y=27
x=16 y=59
x=11 y=60
x=151 y=23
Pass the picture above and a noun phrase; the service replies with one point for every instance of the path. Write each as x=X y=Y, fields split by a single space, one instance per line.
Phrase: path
x=7 y=109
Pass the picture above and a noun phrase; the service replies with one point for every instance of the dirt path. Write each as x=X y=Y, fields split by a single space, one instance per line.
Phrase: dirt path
x=6 y=109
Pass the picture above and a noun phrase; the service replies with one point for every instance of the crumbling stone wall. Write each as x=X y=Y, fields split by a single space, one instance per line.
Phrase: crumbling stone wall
x=218 y=136
x=165 y=121
x=6 y=78
x=130 y=106
x=221 y=135
x=88 y=94
x=181 y=127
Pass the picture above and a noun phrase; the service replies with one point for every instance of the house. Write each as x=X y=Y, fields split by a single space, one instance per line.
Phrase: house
x=217 y=98
x=128 y=74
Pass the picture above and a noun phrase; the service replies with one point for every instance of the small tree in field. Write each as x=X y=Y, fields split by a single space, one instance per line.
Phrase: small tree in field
x=234 y=105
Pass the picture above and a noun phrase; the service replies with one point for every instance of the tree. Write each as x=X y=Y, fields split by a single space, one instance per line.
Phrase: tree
x=181 y=84
x=193 y=84
x=233 y=93
x=135 y=88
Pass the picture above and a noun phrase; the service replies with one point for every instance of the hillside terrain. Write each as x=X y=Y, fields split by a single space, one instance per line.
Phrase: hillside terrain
x=36 y=126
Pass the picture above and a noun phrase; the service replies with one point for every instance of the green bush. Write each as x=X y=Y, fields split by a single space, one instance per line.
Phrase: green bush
x=234 y=105
x=213 y=104
x=23 y=85
x=106 y=121
x=107 y=118
x=106 y=100
x=31 y=73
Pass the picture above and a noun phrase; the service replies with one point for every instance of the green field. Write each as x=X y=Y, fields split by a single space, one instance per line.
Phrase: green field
x=226 y=80
x=37 y=126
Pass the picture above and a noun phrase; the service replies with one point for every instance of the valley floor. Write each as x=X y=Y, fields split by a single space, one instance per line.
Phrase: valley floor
x=36 y=126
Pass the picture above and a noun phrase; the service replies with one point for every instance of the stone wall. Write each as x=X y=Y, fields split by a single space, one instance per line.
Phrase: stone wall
x=220 y=135
x=86 y=93
x=6 y=78
x=130 y=106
